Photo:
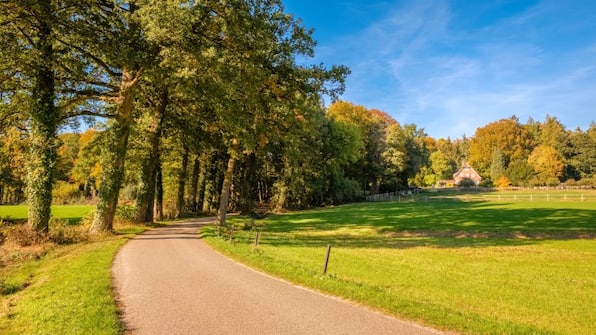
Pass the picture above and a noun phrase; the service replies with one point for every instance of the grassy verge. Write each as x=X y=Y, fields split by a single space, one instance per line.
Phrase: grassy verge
x=67 y=290
x=471 y=267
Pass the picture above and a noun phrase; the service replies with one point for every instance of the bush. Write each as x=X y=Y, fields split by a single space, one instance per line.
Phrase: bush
x=24 y=236
x=587 y=182
x=486 y=183
x=503 y=182
x=61 y=232
x=125 y=214
x=553 y=182
x=345 y=190
x=466 y=182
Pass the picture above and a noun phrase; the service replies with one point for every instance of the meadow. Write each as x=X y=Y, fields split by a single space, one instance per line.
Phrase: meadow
x=471 y=264
x=71 y=213
x=51 y=288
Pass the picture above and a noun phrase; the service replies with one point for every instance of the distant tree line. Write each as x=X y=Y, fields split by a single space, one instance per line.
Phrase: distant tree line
x=203 y=108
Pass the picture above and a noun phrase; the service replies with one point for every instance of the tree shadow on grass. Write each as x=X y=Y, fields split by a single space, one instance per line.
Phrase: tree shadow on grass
x=453 y=224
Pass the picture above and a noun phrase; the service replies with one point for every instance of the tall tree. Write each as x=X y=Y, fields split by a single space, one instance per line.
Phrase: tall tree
x=582 y=152
x=27 y=30
x=507 y=135
x=372 y=125
x=547 y=163
x=497 y=166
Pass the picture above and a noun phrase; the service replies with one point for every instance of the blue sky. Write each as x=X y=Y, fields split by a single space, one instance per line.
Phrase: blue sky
x=451 y=66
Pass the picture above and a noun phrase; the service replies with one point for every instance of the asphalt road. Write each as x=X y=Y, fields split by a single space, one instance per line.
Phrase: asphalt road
x=168 y=281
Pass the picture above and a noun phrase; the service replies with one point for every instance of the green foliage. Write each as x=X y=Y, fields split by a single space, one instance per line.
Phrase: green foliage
x=440 y=165
x=126 y=213
x=66 y=193
x=218 y=78
x=466 y=182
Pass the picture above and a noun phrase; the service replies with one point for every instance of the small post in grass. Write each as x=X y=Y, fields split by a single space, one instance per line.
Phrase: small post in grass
x=257 y=237
x=327 y=259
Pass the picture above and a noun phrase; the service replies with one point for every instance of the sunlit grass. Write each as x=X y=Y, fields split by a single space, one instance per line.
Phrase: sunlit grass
x=68 y=289
x=472 y=267
x=72 y=213
x=66 y=292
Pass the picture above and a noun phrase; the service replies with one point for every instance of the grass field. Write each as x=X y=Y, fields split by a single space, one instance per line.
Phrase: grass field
x=65 y=289
x=72 y=213
x=469 y=266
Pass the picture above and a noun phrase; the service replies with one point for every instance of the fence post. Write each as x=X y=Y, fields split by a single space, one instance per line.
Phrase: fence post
x=327 y=259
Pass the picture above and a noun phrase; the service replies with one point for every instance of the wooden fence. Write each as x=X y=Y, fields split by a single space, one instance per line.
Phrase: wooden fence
x=496 y=196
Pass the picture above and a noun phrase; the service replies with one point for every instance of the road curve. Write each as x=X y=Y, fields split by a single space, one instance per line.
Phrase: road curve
x=168 y=281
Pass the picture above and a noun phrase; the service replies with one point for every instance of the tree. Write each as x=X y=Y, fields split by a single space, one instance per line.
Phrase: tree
x=582 y=152
x=152 y=130
x=262 y=79
x=131 y=62
x=86 y=168
x=29 y=46
x=68 y=152
x=497 y=167
x=372 y=125
x=440 y=165
x=507 y=135
x=60 y=53
x=519 y=172
x=396 y=152
x=546 y=162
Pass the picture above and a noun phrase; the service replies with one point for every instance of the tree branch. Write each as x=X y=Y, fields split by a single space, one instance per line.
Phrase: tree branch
x=96 y=59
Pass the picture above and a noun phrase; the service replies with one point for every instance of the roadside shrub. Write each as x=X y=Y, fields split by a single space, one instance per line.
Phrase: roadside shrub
x=61 y=232
x=87 y=219
x=125 y=214
x=24 y=236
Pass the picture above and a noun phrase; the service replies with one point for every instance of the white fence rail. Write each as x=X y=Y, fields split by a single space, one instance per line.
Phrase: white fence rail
x=408 y=196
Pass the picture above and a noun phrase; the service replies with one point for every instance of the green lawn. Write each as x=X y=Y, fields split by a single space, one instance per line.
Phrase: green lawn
x=474 y=267
x=68 y=289
x=73 y=213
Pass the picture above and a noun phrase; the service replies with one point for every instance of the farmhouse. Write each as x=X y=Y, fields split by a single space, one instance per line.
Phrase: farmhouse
x=467 y=172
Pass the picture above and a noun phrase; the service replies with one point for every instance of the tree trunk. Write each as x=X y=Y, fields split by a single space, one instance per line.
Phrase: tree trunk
x=249 y=185
x=113 y=162
x=147 y=184
x=194 y=185
x=225 y=191
x=204 y=164
x=182 y=183
x=159 y=191
x=209 y=180
x=374 y=189
x=44 y=119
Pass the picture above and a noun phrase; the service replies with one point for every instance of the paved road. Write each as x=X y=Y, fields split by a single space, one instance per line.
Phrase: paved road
x=170 y=282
